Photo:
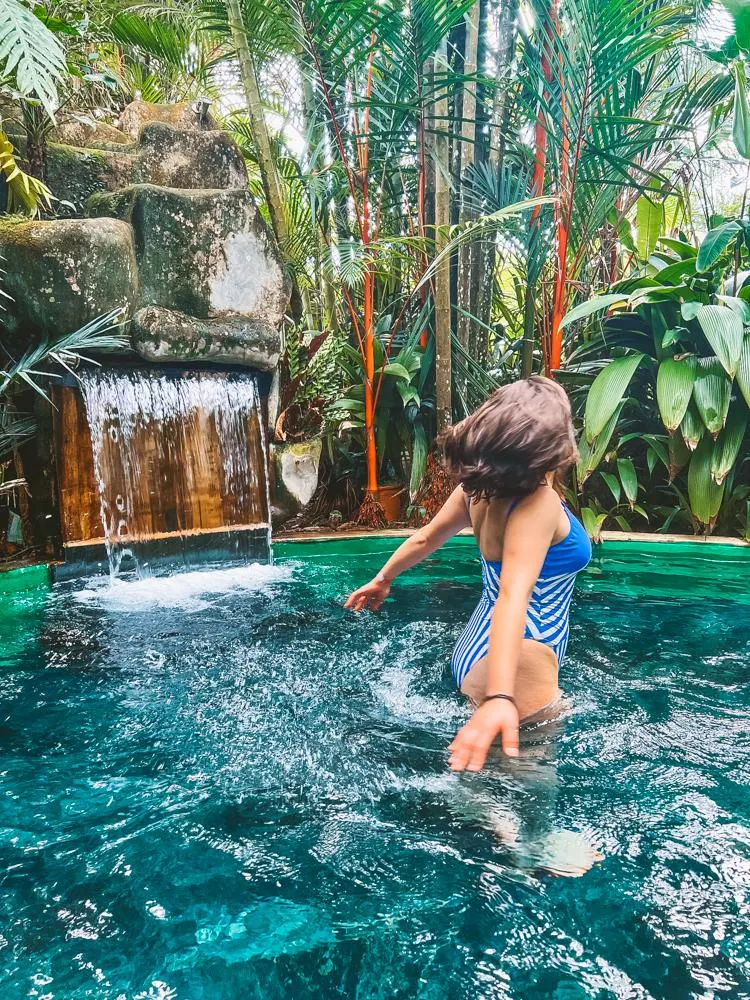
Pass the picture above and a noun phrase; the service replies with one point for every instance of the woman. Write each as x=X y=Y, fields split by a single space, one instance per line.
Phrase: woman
x=509 y=458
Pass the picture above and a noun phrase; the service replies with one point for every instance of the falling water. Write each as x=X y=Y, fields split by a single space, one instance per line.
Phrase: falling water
x=180 y=466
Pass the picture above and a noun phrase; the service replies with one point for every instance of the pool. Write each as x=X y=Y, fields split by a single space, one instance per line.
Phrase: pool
x=221 y=786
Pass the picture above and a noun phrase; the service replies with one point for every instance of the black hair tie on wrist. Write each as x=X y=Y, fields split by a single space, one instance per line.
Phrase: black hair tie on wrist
x=503 y=697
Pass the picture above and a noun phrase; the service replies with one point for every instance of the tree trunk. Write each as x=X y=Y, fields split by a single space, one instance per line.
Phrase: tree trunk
x=443 y=375
x=499 y=130
x=268 y=174
x=529 y=338
x=468 y=252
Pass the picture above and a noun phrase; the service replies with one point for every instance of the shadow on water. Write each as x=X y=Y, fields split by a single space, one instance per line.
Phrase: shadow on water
x=223 y=786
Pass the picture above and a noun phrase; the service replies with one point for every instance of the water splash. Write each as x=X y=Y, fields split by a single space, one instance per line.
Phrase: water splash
x=188 y=592
x=175 y=457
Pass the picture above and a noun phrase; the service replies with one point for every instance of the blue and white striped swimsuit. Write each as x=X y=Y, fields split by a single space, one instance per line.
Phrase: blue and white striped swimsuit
x=547 y=619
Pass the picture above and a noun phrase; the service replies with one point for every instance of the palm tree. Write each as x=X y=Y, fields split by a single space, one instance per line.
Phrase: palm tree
x=608 y=116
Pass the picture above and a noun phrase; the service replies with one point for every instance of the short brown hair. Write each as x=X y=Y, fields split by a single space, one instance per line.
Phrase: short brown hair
x=505 y=448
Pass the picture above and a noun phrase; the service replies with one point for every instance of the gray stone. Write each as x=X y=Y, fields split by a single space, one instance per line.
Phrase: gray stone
x=202 y=253
x=63 y=273
x=161 y=334
x=172 y=158
x=138 y=114
x=163 y=156
x=297 y=467
x=74 y=175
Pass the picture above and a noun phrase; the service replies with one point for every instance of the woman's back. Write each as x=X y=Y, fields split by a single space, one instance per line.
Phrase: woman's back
x=489 y=518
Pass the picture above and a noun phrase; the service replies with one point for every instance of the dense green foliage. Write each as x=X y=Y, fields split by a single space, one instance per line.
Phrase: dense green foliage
x=446 y=182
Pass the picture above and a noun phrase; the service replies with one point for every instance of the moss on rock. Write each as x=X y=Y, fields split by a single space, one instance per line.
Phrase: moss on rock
x=201 y=252
x=163 y=156
x=62 y=274
x=74 y=175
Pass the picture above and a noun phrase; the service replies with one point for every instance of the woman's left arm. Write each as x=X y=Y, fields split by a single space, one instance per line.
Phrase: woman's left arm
x=528 y=535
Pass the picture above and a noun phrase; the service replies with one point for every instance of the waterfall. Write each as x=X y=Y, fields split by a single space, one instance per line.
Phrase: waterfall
x=180 y=466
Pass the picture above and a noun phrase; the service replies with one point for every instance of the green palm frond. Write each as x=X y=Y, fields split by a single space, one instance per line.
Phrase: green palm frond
x=97 y=335
x=30 y=54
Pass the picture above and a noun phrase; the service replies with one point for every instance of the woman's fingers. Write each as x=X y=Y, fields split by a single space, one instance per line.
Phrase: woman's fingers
x=510 y=741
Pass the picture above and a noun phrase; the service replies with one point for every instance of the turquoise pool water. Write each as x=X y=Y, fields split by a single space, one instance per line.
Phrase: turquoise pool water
x=221 y=786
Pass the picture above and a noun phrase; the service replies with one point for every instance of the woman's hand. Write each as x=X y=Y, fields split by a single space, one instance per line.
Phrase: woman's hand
x=370 y=596
x=494 y=718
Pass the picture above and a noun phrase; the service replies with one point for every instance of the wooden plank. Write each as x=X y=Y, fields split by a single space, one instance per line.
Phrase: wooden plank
x=174 y=475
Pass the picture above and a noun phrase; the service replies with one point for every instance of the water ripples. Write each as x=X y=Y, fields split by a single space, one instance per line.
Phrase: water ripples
x=222 y=786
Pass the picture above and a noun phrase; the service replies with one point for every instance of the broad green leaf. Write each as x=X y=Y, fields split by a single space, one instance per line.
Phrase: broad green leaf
x=599 y=303
x=622 y=522
x=724 y=332
x=690 y=310
x=673 y=274
x=712 y=391
x=740 y=306
x=740 y=13
x=591 y=454
x=704 y=494
x=607 y=391
x=614 y=484
x=674 y=212
x=397 y=370
x=683 y=250
x=30 y=52
x=692 y=427
x=347 y=404
x=741 y=127
x=743 y=371
x=593 y=522
x=728 y=444
x=419 y=453
x=658 y=448
x=628 y=478
x=715 y=243
x=674 y=387
x=679 y=454
x=409 y=393
x=649 y=222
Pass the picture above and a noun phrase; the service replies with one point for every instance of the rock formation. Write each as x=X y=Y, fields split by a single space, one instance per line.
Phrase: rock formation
x=163 y=227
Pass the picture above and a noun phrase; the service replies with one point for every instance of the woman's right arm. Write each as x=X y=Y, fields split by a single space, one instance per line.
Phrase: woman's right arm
x=450 y=519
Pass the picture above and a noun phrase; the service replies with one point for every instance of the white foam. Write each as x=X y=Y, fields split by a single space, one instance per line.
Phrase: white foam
x=194 y=591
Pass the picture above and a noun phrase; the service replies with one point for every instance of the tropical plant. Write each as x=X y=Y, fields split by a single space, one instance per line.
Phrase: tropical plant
x=32 y=61
x=664 y=378
x=609 y=120
x=404 y=407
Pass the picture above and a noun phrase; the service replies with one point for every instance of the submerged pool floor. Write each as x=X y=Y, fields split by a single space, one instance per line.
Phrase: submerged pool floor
x=221 y=786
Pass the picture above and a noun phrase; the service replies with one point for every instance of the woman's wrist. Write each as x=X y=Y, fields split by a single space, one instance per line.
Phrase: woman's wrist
x=501 y=697
x=382 y=578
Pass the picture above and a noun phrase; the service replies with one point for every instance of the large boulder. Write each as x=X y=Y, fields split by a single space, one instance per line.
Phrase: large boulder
x=172 y=158
x=201 y=253
x=160 y=334
x=63 y=273
x=184 y=116
x=74 y=175
x=163 y=155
